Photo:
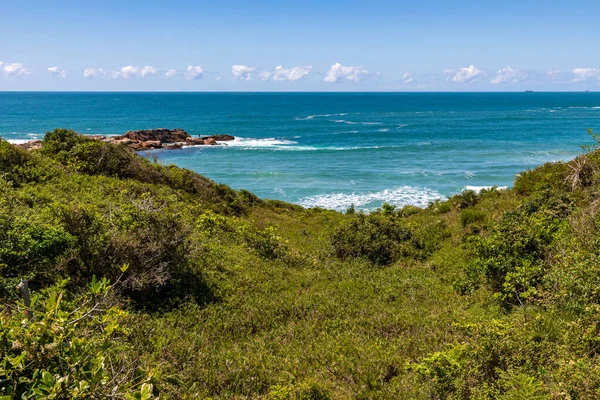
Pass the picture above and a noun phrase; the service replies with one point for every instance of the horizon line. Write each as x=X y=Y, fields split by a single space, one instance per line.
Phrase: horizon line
x=299 y=91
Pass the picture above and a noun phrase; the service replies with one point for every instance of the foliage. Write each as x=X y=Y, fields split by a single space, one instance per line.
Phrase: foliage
x=70 y=348
x=374 y=237
x=484 y=295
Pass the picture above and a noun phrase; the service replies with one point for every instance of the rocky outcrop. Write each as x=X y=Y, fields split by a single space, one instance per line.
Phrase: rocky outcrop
x=219 y=138
x=161 y=134
x=149 y=139
x=31 y=145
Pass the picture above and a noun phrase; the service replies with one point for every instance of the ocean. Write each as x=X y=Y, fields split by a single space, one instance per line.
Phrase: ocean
x=333 y=150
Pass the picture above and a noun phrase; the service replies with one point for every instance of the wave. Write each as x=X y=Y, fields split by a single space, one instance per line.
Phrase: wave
x=17 y=141
x=343 y=121
x=258 y=143
x=478 y=189
x=400 y=197
x=319 y=115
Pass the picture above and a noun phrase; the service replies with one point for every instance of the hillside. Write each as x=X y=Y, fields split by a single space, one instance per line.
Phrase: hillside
x=151 y=280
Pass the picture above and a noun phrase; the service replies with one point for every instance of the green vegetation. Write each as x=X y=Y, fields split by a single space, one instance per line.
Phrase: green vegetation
x=216 y=293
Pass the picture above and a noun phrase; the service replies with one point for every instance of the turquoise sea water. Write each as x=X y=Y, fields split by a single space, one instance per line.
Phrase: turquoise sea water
x=334 y=149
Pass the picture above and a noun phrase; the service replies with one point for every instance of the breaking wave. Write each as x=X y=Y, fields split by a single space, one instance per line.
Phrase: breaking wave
x=400 y=197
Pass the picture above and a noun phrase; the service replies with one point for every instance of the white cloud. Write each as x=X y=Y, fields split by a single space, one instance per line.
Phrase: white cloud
x=242 y=72
x=555 y=74
x=55 y=71
x=127 y=72
x=264 y=75
x=290 y=74
x=467 y=74
x=15 y=69
x=509 y=75
x=194 y=73
x=170 y=73
x=407 y=77
x=585 y=74
x=89 y=72
x=148 y=70
x=339 y=72
x=218 y=79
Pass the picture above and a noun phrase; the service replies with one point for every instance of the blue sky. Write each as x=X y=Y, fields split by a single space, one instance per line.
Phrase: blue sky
x=299 y=46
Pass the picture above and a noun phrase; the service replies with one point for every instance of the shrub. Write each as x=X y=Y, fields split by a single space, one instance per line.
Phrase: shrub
x=70 y=348
x=59 y=142
x=470 y=216
x=375 y=237
x=513 y=255
x=550 y=176
x=466 y=199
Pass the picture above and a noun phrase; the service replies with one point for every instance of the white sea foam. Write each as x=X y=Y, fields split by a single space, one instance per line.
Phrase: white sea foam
x=400 y=196
x=258 y=143
x=17 y=141
x=478 y=189
x=319 y=116
x=344 y=121
x=383 y=130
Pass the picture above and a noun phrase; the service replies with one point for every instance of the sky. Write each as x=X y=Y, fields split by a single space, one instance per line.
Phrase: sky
x=325 y=45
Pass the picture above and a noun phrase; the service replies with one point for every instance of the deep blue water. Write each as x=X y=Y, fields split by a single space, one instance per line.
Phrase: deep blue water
x=334 y=149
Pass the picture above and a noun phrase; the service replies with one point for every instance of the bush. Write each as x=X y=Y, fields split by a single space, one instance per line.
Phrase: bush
x=513 y=257
x=470 y=216
x=375 y=237
x=70 y=348
x=466 y=199
x=550 y=176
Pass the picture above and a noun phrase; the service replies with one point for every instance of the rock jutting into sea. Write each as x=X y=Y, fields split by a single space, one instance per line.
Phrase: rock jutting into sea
x=150 y=139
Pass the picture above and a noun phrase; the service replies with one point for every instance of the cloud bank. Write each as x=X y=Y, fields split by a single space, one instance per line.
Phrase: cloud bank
x=585 y=74
x=242 y=72
x=55 y=71
x=339 y=72
x=14 y=69
x=194 y=73
x=285 y=74
x=509 y=75
x=467 y=74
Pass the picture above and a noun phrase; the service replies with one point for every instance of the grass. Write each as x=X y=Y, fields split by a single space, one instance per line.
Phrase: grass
x=490 y=295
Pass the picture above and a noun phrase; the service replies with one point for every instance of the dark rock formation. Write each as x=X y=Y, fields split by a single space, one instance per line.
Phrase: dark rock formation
x=161 y=134
x=219 y=138
x=148 y=139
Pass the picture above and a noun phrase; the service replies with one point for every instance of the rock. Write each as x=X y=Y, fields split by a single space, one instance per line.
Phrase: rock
x=210 y=141
x=31 y=145
x=97 y=137
x=135 y=146
x=219 y=138
x=173 y=146
x=194 y=141
x=161 y=134
x=151 y=144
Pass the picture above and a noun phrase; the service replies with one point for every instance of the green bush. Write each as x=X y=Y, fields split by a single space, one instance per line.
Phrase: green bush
x=550 y=176
x=375 y=237
x=470 y=216
x=70 y=348
x=513 y=257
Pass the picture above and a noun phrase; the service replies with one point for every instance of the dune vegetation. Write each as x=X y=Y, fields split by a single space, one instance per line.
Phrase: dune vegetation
x=150 y=280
